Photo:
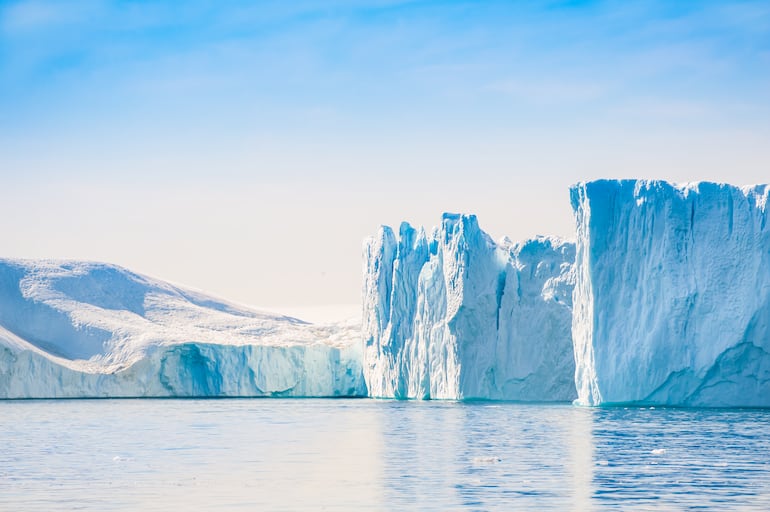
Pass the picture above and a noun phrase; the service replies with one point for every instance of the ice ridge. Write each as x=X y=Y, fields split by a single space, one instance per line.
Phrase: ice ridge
x=454 y=315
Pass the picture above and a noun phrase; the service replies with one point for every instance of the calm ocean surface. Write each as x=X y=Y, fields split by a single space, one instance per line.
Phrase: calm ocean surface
x=268 y=454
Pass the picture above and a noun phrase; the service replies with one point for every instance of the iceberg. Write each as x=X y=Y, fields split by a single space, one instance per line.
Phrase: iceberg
x=454 y=315
x=81 y=329
x=672 y=293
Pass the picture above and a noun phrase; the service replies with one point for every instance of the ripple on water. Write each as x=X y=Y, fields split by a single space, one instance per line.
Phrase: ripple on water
x=379 y=455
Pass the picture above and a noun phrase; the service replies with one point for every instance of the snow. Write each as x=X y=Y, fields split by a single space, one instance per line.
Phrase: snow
x=81 y=329
x=672 y=298
x=453 y=315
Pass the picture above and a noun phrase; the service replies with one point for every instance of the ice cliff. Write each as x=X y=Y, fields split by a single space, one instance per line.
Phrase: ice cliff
x=453 y=315
x=672 y=297
x=74 y=329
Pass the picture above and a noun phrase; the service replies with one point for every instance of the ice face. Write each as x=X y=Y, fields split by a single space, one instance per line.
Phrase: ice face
x=672 y=299
x=453 y=315
x=75 y=329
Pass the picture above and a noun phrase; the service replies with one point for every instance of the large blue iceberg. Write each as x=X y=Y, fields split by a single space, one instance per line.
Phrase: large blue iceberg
x=454 y=315
x=76 y=329
x=672 y=298
x=665 y=300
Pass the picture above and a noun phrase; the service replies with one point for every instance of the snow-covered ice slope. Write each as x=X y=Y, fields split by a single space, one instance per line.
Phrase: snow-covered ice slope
x=672 y=299
x=454 y=315
x=75 y=329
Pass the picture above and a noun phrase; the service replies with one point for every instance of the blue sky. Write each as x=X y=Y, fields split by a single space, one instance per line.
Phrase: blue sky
x=247 y=147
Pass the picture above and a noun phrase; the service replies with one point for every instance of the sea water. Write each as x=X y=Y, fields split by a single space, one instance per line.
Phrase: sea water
x=269 y=454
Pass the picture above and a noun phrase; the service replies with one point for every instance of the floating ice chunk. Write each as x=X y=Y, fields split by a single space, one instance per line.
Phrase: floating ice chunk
x=76 y=329
x=672 y=298
x=452 y=315
x=486 y=460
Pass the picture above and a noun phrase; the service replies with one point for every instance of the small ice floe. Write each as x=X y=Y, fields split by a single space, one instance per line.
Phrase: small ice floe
x=658 y=451
x=602 y=463
x=486 y=460
x=118 y=458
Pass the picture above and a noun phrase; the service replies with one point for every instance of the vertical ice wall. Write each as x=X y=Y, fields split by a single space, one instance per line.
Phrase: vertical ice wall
x=672 y=299
x=454 y=315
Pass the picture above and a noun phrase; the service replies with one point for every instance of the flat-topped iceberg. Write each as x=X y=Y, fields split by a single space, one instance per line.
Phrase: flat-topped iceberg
x=672 y=299
x=75 y=329
x=454 y=315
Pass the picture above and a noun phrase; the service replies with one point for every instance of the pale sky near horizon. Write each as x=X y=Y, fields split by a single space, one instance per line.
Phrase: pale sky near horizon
x=246 y=148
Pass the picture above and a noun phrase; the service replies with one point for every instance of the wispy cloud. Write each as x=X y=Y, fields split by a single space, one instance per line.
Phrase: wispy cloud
x=25 y=16
x=664 y=109
x=550 y=91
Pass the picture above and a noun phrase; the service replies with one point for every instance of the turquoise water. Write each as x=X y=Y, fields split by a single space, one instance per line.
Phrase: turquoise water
x=377 y=455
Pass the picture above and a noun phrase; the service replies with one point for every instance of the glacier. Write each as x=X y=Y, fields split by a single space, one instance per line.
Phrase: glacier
x=672 y=293
x=80 y=329
x=454 y=315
